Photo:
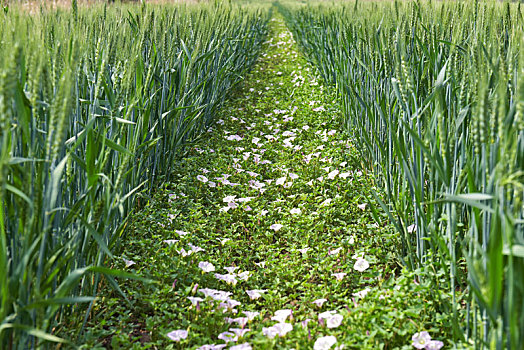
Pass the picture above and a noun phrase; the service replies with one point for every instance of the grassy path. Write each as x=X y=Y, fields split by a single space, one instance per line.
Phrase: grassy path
x=264 y=236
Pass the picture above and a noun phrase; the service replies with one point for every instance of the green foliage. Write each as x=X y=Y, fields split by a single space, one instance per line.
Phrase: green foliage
x=95 y=105
x=434 y=93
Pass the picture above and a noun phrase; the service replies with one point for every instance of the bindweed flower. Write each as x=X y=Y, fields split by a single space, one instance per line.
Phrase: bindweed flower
x=362 y=293
x=421 y=340
x=251 y=315
x=304 y=250
x=255 y=293
x=244 y=346
x=269 y=332
x=202 y=178
x=295 y=211
x=362 y=206
x=240 y=331
x=339 y=276
x=231 y=269
x=434 y=345
x=195 y=300
x=361 y=265
x=281 y=315
x=228 y=337
x=344 y=175
x=128 y=263
x=244 y=276
x=334 y=251
x=261 y=264
x=333 y=174
x=412 y=228
x=212 y=347
x=229 y=199
x=334 y=321
x=275 y=227
x=177 y=335
x=180 y=232
x=170 y=241
x=324 y=343
x=281 y=181
x=206 y=266
x=319 y=302
x=228 y=278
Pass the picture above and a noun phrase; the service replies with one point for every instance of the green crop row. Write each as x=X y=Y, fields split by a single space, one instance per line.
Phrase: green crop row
x=434 y=94
x=95 y=105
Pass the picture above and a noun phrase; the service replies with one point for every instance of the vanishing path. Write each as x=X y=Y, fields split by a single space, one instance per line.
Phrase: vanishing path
x=264 y=237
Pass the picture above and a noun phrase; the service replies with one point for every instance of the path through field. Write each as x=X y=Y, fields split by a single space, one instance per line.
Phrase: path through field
x=264 y=238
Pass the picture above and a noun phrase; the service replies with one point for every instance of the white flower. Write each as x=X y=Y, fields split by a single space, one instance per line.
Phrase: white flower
x=206 y=266
x=283 y=328
x=255 y=293
x=227 y=337
x=275 y=227
x=296 y=211
x=326 y=314
x=362 y=206
x=229 y=199
x=195 y=300
x=332 y=174
x=281 y=180
x=362 y=293
x=434 y=345
x=251 y=314
x=228 y=278
x=195 y=248
x=202 y=178
x=334 y=251
x=281 y=315
x=244 y=276
x=412 y=228
x=244 y=346
x=319 y=302
x=261 y=264
x=344 y=175
x=304 y=250
x=334 y=321
x=269 y=332
x=293 y=176
x=212 y=184
x=240 y=331
x=421 y=340
x=129 y=263
x=325 y=343
x=361 y=265
x=180 y=233
x=184 y=253
x=215 y=294
x=230 y=269
x=170 y=241
x=212 y=347
x=339 y=276
x=177 y=335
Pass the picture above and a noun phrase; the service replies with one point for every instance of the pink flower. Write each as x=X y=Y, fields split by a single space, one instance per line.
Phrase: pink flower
x=177 y=335
x=421 y=340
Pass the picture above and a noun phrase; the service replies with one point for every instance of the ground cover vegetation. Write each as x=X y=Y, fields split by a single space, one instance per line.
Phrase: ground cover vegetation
x=362 y=187
x=264 y=237
x=95 y=105
x=434 y=94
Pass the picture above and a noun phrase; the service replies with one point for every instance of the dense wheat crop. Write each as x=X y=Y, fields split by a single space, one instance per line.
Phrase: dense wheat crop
x=434 y=94
x=96 y=104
